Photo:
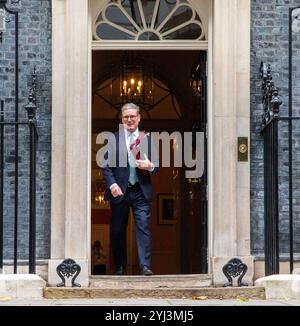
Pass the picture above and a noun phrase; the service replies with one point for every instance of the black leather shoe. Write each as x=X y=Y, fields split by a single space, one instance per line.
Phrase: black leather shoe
x=119 y=271
x=146 y=271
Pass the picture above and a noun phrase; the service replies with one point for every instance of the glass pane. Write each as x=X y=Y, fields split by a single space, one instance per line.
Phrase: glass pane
x=148 y=7
x=132 y=9
x=148 y=36
x=100 y=18
x=180 y=16
x=189 y=32
x=115 y=15
x=108 y=32
x=165 y=7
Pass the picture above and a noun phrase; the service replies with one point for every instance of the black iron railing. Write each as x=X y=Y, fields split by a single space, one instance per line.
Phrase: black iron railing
x=33 y=136
x=269 y=130
x=271 y=105
x=10 y=127
x=15 y=15
x=270 y=127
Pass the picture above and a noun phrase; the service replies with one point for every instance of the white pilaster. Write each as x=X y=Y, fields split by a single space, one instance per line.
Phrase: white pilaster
x=243 y=124
x=58 y=164
x=71 y=82
x=231 y=87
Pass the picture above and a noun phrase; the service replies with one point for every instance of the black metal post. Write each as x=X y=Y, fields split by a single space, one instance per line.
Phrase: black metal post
x=290 y=126
x=271 y=103
x=271 y=198
x=31 y=111
x=1 y=180
x=32 y=198
x=16 y=139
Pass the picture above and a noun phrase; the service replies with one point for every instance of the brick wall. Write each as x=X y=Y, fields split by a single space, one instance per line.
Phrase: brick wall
x=34 y=50
x=269 y=43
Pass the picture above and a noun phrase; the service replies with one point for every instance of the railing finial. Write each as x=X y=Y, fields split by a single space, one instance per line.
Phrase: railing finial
x=270 y=95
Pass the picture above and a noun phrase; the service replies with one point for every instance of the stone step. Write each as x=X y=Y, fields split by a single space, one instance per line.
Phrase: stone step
x=155 y=281
x=176 y=293
x=21 y=286
x=283 y=286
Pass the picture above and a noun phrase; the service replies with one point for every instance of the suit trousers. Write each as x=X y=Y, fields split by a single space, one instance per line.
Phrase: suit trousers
x=134 y=199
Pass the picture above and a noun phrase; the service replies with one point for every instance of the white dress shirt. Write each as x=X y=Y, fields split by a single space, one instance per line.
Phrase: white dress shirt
x=136 y=134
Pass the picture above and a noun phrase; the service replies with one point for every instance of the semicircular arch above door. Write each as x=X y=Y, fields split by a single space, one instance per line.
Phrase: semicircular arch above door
x=149 y=20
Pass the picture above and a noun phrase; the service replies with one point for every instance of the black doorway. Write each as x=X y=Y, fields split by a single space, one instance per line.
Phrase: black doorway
x=179 y=104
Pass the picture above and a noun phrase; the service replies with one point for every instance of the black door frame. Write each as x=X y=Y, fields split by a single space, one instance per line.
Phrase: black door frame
x=201 y=104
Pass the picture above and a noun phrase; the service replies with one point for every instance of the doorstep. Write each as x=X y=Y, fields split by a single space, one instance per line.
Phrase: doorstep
x=175 y=293
x=151 y=282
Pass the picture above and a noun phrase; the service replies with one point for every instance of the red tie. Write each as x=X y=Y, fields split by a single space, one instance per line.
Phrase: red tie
x=135 y=150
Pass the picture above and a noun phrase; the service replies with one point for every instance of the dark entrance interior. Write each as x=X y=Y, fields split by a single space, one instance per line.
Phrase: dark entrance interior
x=174 y=99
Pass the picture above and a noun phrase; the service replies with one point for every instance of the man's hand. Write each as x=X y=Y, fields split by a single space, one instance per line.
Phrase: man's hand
x=116 y=191
x=144 y=164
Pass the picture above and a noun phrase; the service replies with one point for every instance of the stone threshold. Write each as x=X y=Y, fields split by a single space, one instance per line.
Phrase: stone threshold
x=174 y=293
x=155 y=281
x=155 y=276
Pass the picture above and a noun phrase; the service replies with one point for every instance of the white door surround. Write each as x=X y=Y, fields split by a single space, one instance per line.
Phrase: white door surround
x=228 y=46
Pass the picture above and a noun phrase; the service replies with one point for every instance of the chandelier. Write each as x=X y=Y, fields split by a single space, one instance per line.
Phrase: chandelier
x=136 y=84
x=99 y=194
x=195 y=81
x=99 y=198
x=132 y=83
x=131 y=77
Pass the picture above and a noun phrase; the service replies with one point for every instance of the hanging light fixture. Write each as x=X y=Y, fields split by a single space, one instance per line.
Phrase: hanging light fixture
x=132 y=83
x=136 y=83
x=99 y=198
x=296 y=20
x=195 y=81
x=2 y=16
x=99 y=194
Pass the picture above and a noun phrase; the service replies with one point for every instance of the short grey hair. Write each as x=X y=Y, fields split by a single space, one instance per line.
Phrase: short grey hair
x=129 y=106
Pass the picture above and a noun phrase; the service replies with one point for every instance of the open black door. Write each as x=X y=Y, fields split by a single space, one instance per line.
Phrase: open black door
x=199 y=86
x=204 y=187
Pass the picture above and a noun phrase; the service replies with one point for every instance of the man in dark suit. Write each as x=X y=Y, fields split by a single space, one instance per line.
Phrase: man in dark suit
x=129 y=186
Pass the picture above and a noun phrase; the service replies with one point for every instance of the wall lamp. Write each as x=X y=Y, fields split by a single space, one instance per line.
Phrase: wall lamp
x=3 y=17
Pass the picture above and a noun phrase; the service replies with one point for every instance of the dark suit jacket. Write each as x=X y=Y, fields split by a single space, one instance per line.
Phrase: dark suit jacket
x=120 y=175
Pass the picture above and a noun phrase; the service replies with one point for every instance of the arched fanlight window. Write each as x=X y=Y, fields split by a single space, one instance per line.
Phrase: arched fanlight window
x=148 y=20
